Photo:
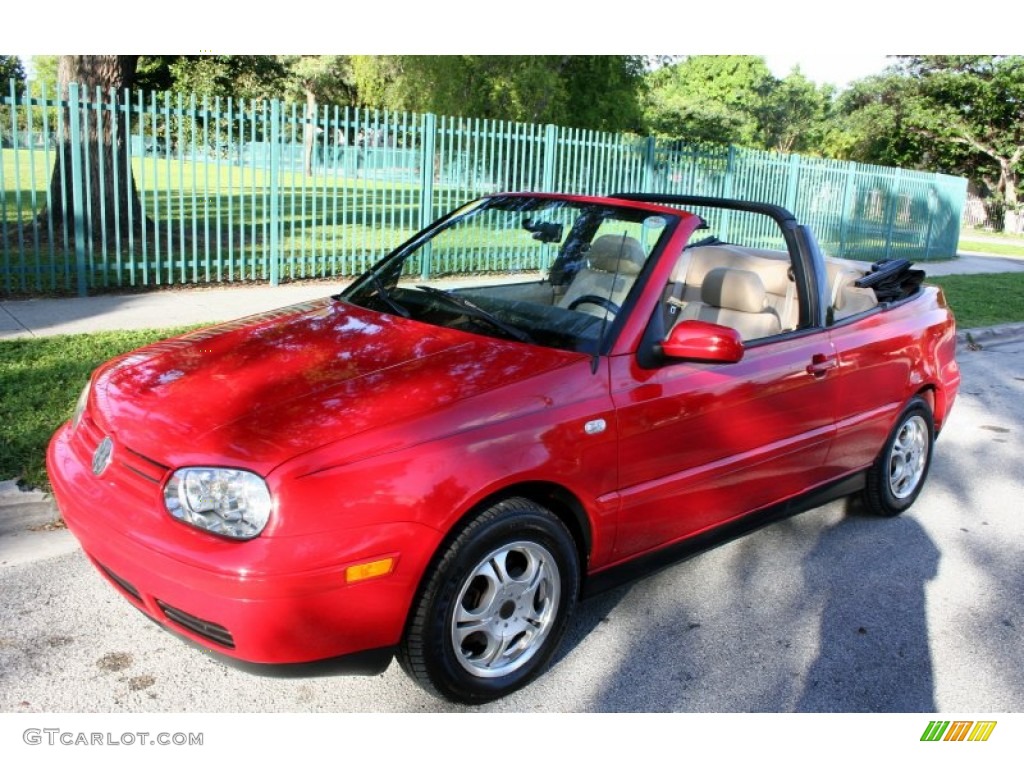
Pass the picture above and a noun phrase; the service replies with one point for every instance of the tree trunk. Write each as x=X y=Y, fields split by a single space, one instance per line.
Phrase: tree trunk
x=107 y=174
x=309 y=135
x=1008 y=179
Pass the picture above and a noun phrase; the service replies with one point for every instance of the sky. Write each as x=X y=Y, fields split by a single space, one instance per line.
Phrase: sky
x=834 y=45
x=839 y=70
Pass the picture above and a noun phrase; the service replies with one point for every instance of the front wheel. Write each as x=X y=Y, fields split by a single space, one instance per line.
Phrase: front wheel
x=495 y=606
x=899 y=472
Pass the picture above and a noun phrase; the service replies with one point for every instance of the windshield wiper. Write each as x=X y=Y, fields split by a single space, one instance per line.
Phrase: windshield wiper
x=386 y=297
x=464 y=303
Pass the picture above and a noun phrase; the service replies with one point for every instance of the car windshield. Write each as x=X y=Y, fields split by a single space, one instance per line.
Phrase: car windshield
x=538 y=270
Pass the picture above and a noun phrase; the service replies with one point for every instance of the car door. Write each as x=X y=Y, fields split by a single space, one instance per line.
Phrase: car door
x=703 y=443
x=878 y=356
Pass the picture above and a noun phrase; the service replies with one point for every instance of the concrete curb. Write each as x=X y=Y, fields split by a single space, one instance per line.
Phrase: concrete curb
x=24 y=510
x=978 y=338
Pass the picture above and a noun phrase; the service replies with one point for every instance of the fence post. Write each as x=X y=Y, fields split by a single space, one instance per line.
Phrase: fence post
x=427 y=169
x=844 y=214
x=547 y=183
x=792 y=175
x=649 y=160
x=730 y=171
x=77 y=187
x=932 y=211
x=427 y=186
x=891 y=213
x=275 y=190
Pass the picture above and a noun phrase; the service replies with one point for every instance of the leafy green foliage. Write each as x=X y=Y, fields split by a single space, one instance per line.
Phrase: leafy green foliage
x=327 y=78
x=580 y=91
x=871 y=123
x=707 y=98
x=11 y=69
x=44 y=70
x=41 y=379
x=958 y=114
x=736 y=100
x=793 y=114
x=240 y=77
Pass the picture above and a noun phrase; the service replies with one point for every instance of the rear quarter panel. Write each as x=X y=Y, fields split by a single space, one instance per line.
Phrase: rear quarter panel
x=886 y=358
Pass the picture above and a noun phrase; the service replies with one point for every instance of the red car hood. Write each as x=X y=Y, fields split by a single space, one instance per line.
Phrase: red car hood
x=259 y=391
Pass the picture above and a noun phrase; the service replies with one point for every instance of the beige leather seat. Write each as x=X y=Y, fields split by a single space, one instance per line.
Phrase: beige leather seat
x=771 y=266
x=737 y=299
x=613 y=262
x=846 y=298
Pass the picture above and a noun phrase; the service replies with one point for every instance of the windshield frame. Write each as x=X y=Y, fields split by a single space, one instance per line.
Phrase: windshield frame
x=392 y=272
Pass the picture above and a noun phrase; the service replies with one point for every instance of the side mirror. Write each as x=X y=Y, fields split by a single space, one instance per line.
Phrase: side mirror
x=703 y=342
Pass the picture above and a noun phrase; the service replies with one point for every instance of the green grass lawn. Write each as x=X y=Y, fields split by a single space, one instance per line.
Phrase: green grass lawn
x=981 y=300
x=1007 y=248
x=973 y=233
x=41 y=380
x=996 y=243
x=207 y=220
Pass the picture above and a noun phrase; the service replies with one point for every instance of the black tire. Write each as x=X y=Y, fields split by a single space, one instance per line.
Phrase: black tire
x=516 y=568
x=899 y=473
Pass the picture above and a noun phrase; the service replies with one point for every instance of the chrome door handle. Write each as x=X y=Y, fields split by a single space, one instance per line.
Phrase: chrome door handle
x=822 y=364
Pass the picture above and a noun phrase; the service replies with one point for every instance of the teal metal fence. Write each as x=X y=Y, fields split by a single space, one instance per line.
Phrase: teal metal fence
x=105 y=190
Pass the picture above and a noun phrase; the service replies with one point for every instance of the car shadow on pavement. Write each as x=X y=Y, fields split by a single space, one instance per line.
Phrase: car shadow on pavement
x=822 y=612
x=873 y=644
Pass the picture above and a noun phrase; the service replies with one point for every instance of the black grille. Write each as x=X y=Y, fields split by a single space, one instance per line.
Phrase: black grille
x=142 y=466
x=215 y=633
x=121 y=583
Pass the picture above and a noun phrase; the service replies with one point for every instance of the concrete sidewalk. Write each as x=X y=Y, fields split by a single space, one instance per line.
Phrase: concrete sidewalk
x=29 y=318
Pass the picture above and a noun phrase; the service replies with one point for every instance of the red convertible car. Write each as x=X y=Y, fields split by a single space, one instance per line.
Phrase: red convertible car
x=528 y=402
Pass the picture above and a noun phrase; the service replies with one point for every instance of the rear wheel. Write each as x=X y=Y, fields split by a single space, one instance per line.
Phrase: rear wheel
x=899 y=472
x=495 y=606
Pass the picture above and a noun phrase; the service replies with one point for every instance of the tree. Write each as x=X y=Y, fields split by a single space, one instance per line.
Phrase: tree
x=793 y=114
x=709 y=98
x=44 y=72
x=11 y=69
x=977 y=104
x=598 y=92
x=239 y=77
x=316 y=79
x=737 y=100
x=603 y=92
x=957 y=114
x=103 y=149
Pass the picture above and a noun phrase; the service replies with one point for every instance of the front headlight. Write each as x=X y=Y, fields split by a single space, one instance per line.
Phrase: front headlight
x=229 y=502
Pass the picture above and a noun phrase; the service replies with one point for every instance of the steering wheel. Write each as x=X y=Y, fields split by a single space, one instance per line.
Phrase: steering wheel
x=600 y=301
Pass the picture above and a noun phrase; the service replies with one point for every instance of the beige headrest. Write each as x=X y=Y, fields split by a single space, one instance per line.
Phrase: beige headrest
x=734 y=289
x=615 y=253
x=771 y=266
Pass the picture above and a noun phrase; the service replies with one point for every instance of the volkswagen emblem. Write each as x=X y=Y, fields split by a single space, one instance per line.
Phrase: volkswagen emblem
x=101 y=459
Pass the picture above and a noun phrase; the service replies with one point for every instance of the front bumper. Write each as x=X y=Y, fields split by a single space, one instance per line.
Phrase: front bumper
x=270 y=600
